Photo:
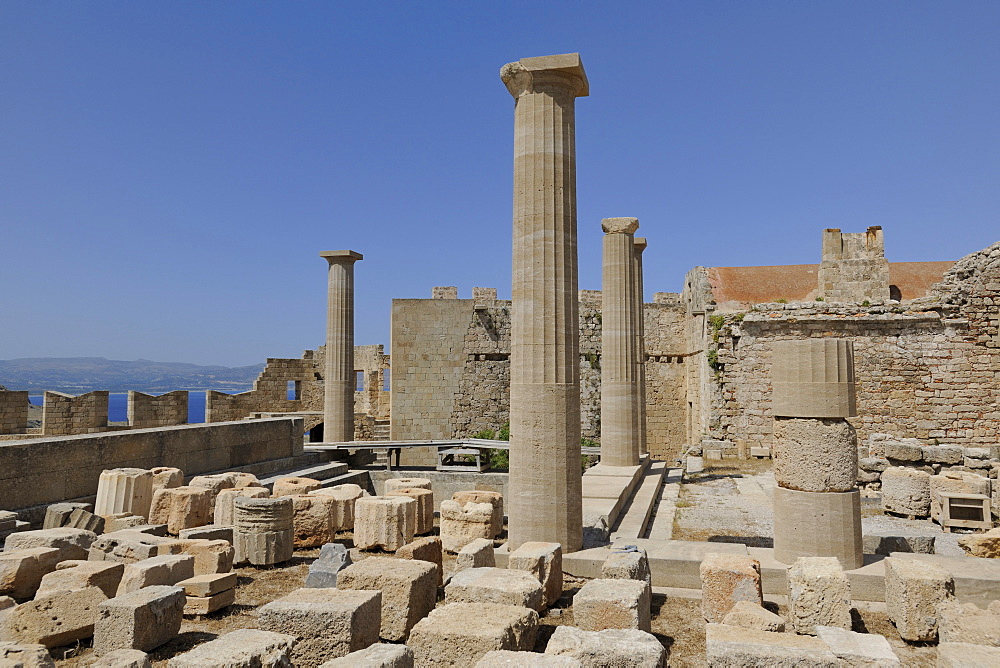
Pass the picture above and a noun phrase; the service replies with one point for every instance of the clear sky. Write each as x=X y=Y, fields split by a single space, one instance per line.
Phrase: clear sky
x=169 y=171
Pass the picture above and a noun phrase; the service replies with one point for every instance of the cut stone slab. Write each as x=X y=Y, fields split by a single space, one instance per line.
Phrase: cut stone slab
x=55 y=618
x=495 y=585
x=460 y=525
x=21 y=571
x=382 y=655
x=333 y=557
x=166 y=570
x=544 y=561
x=328 y=623
x=293 y=485
x=206 y=605
x=84 y=519
x=130 y=546
x=105 y=575
x=906 y=450
x=214 y=482
x=182 y=507
x=968 y=624
x=819 y=594
x=121 y=521
x=886 y=545
x=913 y=590
x=611 y=647
x=313 y=520
x=208 y=585
x=967 y=655
x=460 y=634
x=409 y=590
x=210 y=556
x=207 y=532
x=906 y=491
x=726 y=579
x=858 y=649
x=752 y=616
x=244 y=648
x=71 y=543
x=427 y=549
x=166 y=476
x=57 y=514
x=736 y=647
x=392 y=484
x=476 y=554
x=123 y=658
x=386 y=522
x=142 y=620
x=627 y=566
x=27 y=656
x=503 y=658
x=613 y=604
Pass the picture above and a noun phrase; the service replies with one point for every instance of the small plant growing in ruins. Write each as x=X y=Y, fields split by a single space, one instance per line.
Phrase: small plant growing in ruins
x=504 y=434
x=866 y=303
x=739 y=317
x=712 y=356
x=819 y=299
x=594 y=359
x=782 y=301
x=717 y=321
x=485 y=434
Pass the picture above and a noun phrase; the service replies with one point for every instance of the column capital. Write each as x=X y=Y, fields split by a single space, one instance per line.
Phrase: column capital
x=341 y=256
x=640 y=244
x=563 y=72
x=620 y=225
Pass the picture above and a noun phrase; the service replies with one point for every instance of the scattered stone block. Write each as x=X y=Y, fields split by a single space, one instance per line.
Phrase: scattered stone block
x=142 y=620
x=819 y=594
x=906 y=491
x=206 y=605
x=333 y=557
x=123 y=658
x=726 y=579
x=611 y=647
x=913 y=590
x=151 y=530
x=495 y=585
x=207 y=532
x=224 y=510
x=392 y=484
x=86 y=520
x=166 y=570
x=165 y=477
x=627 y=566
x=21 y=571
x=409 y=590
x=752 y=616
x=181 y=507
x=241 y=479
x=105 y=575
x=544 y=561
x=386 y=522
x=503 y=658
x=122 y=521
x=985 y=545
x=130 y=546
x=262 y=532
x=53 y=619
x=125 y=490
x=424 y=512
x=293 y=485
x=886 y=545
x=460 y=634
x=208 y=585
x=906 y=450
x=344 y=497
x=612 y=604
x=942 y=454
x=495 y=499
x=243 y=648
x=312 y=519
x=462 y=524
x=426 y=549
x=967 y=624
x=477 y=554
x=215 y=482
x=19 y=655
x=382 y=655
x=71 y=543
x=327 y=623
x=735 y=647
x=967 y=655
x=57 y=514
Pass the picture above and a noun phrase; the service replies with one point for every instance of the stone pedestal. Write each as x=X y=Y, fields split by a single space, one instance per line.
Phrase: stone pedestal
x=818 y=524
x=339 y=378
x=545 y=488
x=124 y=491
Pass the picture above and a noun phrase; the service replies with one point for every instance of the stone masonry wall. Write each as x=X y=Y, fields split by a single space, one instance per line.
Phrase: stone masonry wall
x=165 y=410
x=13 y=412
x=64 y=414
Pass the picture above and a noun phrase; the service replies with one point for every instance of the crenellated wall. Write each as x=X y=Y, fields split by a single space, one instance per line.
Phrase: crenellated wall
x=64 y=414
x=13 y=412
x=165 y=410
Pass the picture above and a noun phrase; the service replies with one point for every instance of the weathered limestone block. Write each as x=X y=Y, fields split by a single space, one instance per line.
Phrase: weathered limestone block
x=906 y=450
x=425 y=506
x=426 y=549
x=959 y=482
x=381 y=655
x=388 y=522
x=818 y=524
x=967 y=623
x=886 y=545
x=263 y=530
x=122 y=521
x=86 y=520
x=913 y=590
x=181 y=508
x=142 y=620
x=942 y=454
x=477 y=554
x=166 y=570
x=819 y=594
x=210 y=556
x=627 y=566
x=223 y=515
x=130 y=546
x=312 y=518
x=813 y=378
x=165 y=477
x=611 y=647
x=327 y=623
x=495 y=499
x=344 y=497
x=215 y=482
x=206 y=605
x=906 y=491
x=726 y=579
x=243 y=648
x=612 y=604
x=123 y=658
x=54 y=618
x=752 y=616
x=21 y=571
x=333 y=558
x=967 y=655
x=986 y=545
x=105 y=575
x=813 y=455
x=544 y=561
x=207 y=532
x=392 y=484
x=294 y=485
x=71 y=543
x=409 y=590
x=459 y=634
x=858 y=649
x=27 y=656
x=875 y=464
x=505 y=658
x=124 y=491
x=460 y=525
x=241 y=479
x=57 y=514
x=495 y=585
x=736 y=647
x=208 y=585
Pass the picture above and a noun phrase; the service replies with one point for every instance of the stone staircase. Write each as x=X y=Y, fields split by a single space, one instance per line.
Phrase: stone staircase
x=381 y=430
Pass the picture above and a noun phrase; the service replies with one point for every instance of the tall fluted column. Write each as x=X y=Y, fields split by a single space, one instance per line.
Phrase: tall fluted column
x=619 y=345
x=545 y=501
x=339 y=378
x=640 y=246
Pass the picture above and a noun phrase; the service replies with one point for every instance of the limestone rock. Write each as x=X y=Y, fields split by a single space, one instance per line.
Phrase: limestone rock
x=913 y=590
x=627 y=565
x=495 y=499
x=752 y=616
x=726 y=579
x=54 y=618
x=25 y=656
x=985 y=545
x=123 y=658
x=813 y=455
x=71 y=543
x=476 y=554
x=544 y=561
x=342 y=509
x=224 y=514
x=105 y=575
x=613 y=604
x=392 y=484
x=409 y=590
x=495 y=585
x=460 y=525
x=504 y=658
x=967 y=655
x=612 y=647
x=388 y=522
x=312 y=518
x=21 y=571
x=333 y=557
x=819 y=594
x=293 y=485
x=165 y=477
x=906 y=450
x=736 y=647
x=967 y=624
x=165 y=570
x=381 y=655
x=181 y=508
x=858 y=649
x=424 y=510
x=906 y=491
x=886 y=545
x=243 y=648
x=426 y=549
x=142 y=620
x=210 y=556
x=459 y=634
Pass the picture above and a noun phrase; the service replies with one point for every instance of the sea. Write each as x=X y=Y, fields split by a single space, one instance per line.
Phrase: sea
x=118 y=406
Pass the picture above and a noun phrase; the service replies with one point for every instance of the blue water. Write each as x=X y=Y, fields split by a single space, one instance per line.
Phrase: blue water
x=118 y=406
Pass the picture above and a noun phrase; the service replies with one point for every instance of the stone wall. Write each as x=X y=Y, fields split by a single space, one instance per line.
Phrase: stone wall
x=165 y=410
x=48 y=470
x=13 y=412
x=64 y=414
x=854 y=267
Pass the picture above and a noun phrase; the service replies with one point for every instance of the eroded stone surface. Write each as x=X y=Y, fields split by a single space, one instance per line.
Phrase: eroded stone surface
x=495 y=585
x=409 y=590
x=459 y=634
x=612 y=604
x=726 y=579
x=913 y=590
x=752 y=616
x=819 y=594
x=243 y=648
x=611 y=647
x=736 y=647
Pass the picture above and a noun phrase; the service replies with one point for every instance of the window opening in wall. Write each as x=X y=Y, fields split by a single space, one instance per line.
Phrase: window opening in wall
x=385 y=380
x=359 y=383
x=294 y=390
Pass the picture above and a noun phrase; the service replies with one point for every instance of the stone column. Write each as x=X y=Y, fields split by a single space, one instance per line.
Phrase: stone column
x=545 y=502
x=619 y=345
x=640 y=246
x=339 y=378
x=817 y=508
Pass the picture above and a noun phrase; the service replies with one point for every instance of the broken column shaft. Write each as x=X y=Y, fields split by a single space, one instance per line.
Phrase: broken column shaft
x=640 y=246
x=339 y=377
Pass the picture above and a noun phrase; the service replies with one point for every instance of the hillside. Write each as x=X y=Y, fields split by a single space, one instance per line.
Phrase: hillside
x=75 y=375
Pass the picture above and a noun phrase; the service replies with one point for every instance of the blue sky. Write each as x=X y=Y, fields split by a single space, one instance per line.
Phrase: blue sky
x=170 y=171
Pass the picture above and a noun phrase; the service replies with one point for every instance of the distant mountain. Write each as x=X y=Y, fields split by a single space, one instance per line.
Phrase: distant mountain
x=75 y=375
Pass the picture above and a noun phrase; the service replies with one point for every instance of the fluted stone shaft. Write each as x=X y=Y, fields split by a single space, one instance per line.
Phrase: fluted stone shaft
x=126 y=490
x=640 y=246
x=619 y=345
x=545 y=502
x=340 y=380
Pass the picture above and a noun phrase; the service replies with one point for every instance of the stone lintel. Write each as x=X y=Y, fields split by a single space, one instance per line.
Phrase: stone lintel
x=341 y=256
x=640 y=244
x=620 y=225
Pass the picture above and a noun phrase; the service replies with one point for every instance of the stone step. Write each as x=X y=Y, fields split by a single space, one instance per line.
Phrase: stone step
x=661 y=526
x=634 y=519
